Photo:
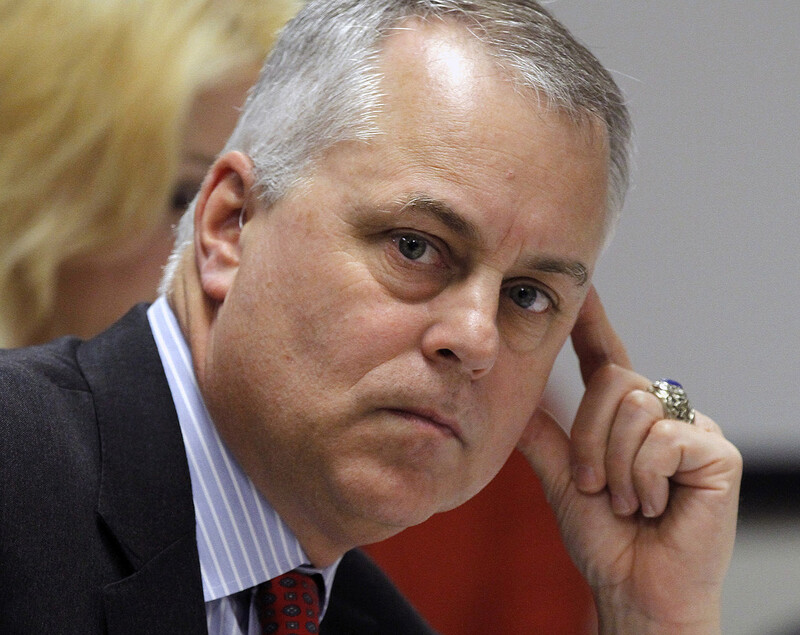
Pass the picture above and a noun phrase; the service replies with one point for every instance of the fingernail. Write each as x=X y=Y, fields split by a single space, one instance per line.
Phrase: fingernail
x=647 y=510
x=584 y=476
x=620 y=506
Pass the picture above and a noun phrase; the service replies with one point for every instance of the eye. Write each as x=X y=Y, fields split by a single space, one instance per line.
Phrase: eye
x=415 y=247
x=529 y=298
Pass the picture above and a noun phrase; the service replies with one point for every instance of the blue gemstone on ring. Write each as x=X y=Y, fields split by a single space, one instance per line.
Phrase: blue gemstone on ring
x=672 y=382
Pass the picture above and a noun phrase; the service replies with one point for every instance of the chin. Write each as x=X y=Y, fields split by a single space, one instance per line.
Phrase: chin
x=386 y=501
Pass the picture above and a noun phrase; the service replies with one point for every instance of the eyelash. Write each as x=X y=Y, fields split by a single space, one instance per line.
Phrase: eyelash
x=405 y=237
x=551 y=303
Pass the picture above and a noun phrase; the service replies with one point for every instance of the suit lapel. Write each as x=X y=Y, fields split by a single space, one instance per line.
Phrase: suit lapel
x=145 y=491
x=364 y=601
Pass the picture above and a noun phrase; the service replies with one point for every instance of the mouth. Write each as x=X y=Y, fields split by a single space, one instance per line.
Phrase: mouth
x=448 y=427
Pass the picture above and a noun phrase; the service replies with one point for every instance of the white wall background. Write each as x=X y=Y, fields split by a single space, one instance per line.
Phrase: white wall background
x=703 y=278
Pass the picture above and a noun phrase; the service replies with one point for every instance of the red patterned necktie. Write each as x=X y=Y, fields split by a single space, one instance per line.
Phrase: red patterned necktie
x=288 y=605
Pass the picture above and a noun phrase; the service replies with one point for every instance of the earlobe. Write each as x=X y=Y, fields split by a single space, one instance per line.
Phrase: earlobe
x=219 y=218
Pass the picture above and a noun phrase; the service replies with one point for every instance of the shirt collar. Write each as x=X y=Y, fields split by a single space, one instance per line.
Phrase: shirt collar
x=241 y=540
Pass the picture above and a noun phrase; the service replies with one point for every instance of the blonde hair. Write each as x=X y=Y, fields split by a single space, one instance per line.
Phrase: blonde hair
x=93 y=98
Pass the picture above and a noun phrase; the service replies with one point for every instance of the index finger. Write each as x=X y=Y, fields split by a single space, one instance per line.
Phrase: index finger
x=595 y=341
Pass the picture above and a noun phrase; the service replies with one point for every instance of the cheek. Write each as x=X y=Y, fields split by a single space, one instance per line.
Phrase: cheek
x=506 y=422
x=532 y=348
x=361 y=328
x=513 y=395
x=332 y=317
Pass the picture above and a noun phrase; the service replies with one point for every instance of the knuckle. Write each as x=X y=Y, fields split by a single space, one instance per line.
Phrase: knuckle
x=641 y=404
x=735 y=456
x=664 y=431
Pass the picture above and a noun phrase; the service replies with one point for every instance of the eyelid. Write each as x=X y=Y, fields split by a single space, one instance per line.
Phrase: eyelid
x=435 y=243
x=552 y=296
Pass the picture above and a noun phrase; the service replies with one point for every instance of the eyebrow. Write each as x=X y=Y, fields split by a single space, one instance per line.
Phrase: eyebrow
x=468 y=231
x=443 y=213
x=571 y=268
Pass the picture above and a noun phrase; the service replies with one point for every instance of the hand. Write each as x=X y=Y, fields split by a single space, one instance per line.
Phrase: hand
x=647 y=507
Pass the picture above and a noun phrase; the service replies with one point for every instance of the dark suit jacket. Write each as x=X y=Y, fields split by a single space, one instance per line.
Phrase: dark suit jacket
x=97 y=527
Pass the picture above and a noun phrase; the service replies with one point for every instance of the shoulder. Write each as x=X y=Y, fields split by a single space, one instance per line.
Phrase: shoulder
x=93 y=477
x=44 y=395
x=363 y=600
x=36 y=368
x=48 y=410
x=46 y=419
x=49 y=474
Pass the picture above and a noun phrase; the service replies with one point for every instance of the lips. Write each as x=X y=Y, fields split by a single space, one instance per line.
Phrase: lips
x=430 y=417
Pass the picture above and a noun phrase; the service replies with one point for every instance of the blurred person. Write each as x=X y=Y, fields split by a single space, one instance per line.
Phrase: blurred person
x=111 y=111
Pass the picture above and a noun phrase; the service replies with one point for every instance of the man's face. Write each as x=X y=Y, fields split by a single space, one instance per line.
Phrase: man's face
x=393 y=321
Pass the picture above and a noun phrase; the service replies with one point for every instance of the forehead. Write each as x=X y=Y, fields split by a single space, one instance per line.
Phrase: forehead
x=451 y=111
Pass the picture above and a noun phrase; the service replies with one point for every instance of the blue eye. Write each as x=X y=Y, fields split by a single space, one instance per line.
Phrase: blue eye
x=529 y=298
x=411 y=246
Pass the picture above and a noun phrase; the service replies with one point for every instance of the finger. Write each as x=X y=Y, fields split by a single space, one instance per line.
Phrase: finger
x=546 y=447
x=591 y=431
x=683 y=454
x=705 y=423
x=595 y=341
x=637 y=413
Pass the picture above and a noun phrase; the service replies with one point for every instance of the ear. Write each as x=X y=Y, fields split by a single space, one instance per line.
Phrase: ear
x=217 y=218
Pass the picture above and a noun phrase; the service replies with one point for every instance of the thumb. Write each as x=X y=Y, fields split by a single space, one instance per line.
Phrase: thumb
x=546 y=447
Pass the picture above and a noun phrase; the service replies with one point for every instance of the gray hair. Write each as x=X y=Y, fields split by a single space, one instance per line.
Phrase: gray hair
x=320 y=86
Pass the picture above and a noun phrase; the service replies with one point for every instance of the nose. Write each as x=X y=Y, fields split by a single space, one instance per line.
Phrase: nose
x=463 y=331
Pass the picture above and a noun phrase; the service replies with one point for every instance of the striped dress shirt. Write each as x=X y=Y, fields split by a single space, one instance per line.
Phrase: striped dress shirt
x=241 y=540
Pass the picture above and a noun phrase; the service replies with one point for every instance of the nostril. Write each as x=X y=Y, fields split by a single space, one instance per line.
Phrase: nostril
x=447 y=353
